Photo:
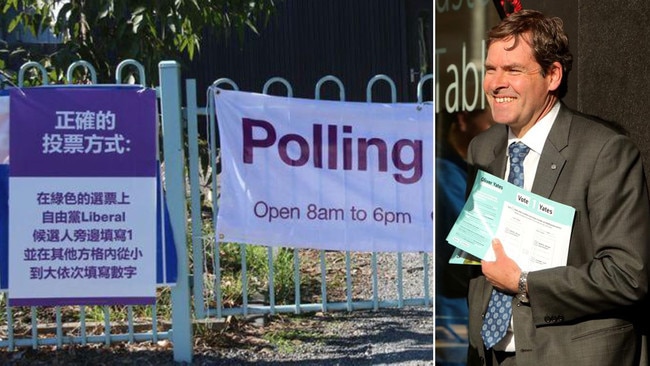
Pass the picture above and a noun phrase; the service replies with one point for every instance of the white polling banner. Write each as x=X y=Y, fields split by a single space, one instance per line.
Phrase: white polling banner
x=325 y=174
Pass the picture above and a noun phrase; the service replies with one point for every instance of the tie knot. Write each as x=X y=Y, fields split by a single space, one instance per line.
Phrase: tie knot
x=518 y=151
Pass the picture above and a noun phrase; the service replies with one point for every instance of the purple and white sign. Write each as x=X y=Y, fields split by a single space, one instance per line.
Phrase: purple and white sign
x=82 y=196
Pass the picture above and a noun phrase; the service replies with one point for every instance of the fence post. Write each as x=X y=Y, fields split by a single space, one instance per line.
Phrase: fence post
x=170 y=104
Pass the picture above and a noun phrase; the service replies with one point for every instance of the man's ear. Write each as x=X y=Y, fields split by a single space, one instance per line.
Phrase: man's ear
x=554 y=76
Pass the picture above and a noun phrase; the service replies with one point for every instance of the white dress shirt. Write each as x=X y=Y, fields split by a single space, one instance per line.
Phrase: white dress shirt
x=535 y=139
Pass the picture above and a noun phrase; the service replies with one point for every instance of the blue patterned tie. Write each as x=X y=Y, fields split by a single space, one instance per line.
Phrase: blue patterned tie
x=499 y=311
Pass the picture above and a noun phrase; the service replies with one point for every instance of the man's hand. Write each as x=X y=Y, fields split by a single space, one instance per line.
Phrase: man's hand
x=503 y=273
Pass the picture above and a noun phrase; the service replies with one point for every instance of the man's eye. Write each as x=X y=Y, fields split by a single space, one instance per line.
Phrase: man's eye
x=515 y=72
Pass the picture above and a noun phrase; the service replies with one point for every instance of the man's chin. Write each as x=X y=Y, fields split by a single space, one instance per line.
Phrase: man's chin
x=506 y=122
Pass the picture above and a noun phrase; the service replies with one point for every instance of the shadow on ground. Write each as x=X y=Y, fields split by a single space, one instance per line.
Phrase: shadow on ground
x=394 y=336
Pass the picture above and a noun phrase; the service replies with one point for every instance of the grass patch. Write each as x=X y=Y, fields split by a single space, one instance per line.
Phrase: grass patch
x=289 y=340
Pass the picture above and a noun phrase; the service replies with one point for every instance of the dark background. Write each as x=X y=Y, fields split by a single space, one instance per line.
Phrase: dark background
x=309 y=39
x=610 y=79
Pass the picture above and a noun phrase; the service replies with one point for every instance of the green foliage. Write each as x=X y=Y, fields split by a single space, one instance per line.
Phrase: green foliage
x=96 y=314
x=284 y=276
x=257 y=273
x=106 y=32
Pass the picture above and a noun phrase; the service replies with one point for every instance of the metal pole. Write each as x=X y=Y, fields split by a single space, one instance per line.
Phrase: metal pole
x=172 y=126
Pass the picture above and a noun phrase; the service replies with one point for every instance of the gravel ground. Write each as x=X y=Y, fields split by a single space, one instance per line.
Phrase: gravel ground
x=389 y=336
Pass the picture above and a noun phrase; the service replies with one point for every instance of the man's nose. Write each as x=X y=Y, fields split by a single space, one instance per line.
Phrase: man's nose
x=495 y=80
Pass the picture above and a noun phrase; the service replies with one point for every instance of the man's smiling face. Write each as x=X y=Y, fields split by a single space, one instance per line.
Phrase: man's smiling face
x=517 y=89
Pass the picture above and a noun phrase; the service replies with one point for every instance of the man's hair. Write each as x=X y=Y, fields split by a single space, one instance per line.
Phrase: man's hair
x=545 y=35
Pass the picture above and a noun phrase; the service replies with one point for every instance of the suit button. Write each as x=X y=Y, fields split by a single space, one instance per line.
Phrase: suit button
x=560 y=319
x=547 y=319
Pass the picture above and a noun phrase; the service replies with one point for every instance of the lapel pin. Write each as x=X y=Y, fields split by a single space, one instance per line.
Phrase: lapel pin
x=553 y=166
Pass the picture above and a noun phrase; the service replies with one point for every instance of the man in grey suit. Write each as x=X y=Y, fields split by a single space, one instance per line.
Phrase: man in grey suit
x=589 y=312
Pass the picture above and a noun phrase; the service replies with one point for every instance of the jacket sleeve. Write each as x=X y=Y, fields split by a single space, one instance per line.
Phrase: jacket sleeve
x=607 y=269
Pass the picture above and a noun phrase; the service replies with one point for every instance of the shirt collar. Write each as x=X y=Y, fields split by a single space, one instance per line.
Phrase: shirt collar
x=535 y=138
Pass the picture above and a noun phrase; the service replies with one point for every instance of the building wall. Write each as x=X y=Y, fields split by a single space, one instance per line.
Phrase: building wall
x=309 y=39
x=611 y=77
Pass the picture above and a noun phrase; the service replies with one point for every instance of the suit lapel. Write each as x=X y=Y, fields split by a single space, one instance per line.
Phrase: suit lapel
x=498 y=164
x=552 y=161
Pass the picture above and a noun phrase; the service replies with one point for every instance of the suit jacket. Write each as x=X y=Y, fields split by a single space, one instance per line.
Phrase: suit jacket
x=590 y=311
